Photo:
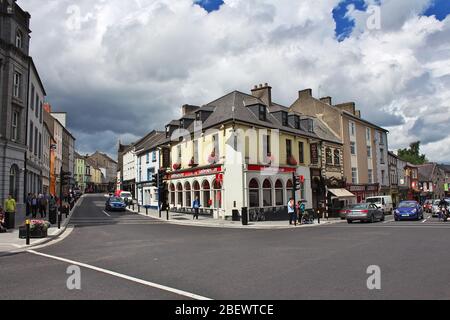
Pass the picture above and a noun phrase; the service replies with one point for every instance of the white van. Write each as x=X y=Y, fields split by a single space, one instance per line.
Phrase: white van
x=382 y=202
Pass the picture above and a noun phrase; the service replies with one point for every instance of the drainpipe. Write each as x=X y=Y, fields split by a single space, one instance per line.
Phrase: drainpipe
x=25 y=177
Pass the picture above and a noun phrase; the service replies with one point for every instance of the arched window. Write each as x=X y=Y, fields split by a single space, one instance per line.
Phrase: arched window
x=206 y=189
x=289 y=185
x=267 y=193
x=19 y=39
x=253 y=193
x=337 y=157
x=179 y=194
x=217 y=194
x=279 y=193
x=188 y=194
x=328 y=156
x=196 y=187
x=14 y=181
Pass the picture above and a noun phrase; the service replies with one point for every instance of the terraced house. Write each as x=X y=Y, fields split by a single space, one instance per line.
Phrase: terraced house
x=240 y=151
x=365 y=153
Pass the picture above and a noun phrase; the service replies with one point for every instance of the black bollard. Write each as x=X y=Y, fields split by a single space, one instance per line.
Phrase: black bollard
x=28 y=232
x=146 y=211
x=167 y=213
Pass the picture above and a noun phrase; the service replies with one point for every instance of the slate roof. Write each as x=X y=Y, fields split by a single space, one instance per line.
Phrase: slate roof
x=222 y=112
x=426 y=171
x=151 y=142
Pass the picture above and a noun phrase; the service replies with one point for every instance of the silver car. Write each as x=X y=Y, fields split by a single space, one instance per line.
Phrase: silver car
x=435 y=208
x=364 y=212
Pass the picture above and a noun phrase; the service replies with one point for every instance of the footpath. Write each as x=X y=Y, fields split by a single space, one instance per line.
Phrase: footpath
x=207 y=221
x=10 y=242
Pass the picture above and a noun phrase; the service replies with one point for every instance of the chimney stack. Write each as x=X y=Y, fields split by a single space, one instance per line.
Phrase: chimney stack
x=349 y=107
x=305 y=94
x=188 y=109
x=326 y=100
x=264 y=93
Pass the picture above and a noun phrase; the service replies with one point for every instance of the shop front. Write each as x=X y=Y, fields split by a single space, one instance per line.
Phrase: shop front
x=268 y=192
x=363 y=191
x=204 y=184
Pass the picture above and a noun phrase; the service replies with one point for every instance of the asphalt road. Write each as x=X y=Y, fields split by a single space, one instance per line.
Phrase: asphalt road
x=168 y=261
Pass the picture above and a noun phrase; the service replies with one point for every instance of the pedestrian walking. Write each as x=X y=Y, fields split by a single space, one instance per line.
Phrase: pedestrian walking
x=34 y=206
x=196 y=206
x=10 y=213
x=291 y=212
x=301 y=212
x=43 y=206
x=52 y=209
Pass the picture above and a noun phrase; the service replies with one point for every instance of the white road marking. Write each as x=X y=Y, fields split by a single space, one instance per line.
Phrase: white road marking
x=122 y=276
x=425 y=220
x=106 y=213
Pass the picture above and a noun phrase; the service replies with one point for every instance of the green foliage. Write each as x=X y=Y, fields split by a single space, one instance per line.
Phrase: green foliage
x=412 y=154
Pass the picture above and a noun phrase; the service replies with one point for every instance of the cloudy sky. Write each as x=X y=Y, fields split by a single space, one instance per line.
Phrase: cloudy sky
x=123 y=68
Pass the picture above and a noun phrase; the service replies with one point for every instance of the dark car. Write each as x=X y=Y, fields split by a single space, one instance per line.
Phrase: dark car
x=408 y=210
x=115 y=204
x=364 y=212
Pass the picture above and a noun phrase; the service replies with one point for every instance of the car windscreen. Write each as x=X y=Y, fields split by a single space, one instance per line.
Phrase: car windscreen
x=361 y=206
x=436 y=202
x=125 y=194
x=115 y=199
x=407 y=205
x=373 y=200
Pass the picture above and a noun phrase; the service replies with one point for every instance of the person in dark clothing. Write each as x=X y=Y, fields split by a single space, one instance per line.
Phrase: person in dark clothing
x=196 y=206
x=34 y=206
x=43 y=206
x=28 y=205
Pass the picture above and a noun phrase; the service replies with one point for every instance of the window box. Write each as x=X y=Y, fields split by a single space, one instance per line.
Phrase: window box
x=192 y=163
x=176 y=166
x=291 y=161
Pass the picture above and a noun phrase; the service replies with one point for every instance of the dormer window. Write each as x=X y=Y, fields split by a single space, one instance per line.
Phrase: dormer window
x=297 y=122
x=19 y=39
x=198 y=116
x=284 y=119
x=262 y=113
x=167 y=131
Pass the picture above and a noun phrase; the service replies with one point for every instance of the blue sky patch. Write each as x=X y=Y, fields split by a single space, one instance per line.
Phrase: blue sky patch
x=209 y=5
x=439 y=8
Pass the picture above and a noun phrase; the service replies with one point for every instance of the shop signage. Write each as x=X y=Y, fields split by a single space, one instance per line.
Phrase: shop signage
x=446 y=187
x=279 y=170
x=194 y=173
x=363 y=188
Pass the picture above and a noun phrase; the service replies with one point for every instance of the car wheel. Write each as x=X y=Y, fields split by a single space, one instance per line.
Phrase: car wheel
x=349 y=221
x=383 y=218
x=372 y=219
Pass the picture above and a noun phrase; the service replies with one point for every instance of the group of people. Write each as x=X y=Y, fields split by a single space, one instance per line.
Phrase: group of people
x=297 y=212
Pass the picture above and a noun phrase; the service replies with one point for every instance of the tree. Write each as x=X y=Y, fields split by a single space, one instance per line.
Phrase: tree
x=412 y=155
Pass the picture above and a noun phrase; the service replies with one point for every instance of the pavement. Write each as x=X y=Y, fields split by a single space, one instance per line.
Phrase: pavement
x=129 y=256
x=206 y=221
x=10 y=241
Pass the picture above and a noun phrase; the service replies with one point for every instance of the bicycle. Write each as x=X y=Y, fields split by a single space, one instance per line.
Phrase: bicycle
x=256 y=216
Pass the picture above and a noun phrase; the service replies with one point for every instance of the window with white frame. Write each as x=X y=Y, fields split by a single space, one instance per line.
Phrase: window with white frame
x=370 y=176
x=154 y=156
x=17 y=84
x=354 y=175
x=368 y=135
x=353 y=148
x=352 y=129
x=19 y=39
x=369 y=152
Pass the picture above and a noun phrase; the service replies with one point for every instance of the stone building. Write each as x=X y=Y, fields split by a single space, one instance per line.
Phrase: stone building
x=14 y=70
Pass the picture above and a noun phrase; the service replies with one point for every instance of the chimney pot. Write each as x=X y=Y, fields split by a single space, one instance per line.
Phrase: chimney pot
x=260 y=85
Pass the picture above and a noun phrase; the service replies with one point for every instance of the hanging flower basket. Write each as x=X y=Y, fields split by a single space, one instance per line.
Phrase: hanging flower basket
x=212 y=159
x=291 y=161
x=176 y=166
x=269 y=159
x=192 y=163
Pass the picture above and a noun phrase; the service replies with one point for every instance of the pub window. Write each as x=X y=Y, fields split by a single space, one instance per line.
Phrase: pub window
x=267 y=193
x=254 y=194
x=279 y=193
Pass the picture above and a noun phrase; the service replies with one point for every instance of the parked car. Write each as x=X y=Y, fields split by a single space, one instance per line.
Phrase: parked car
x=127 y=197
x=115 y=204
x=364 y=212
x=435 y=208
x=428 y=206
x=408 y=210
x=383 y=202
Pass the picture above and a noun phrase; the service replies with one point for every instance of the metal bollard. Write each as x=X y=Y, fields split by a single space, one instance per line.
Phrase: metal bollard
x=28 y=232
x=167 y=214
x=146 y=211
x=139 y=208
x=318 y=216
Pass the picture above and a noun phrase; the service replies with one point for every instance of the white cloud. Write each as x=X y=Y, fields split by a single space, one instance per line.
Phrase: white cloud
x=128 y=66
